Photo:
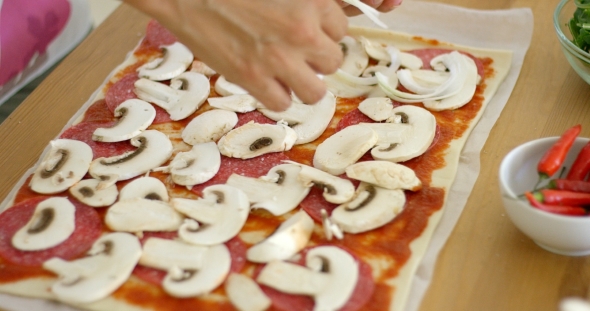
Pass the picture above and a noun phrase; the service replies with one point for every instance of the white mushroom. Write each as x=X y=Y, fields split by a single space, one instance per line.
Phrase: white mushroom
x=336 y=190
x=139 y=214
x=153 y=149
x=253 y=139
x=385 y=174
x=308 y=121
x=182 y=98
x=344 y=148
x=330 y=277
x=355 y=57
x=236 y=103
x=342 y=85
x=202 y=68
x=409 y=135
x=87 y=191
x=177 y=58
x=245 y=294
x=464 y=95
x=145 y=187
x=192 y=270
x=209 y=126
x=371 y=208
x=279 y=192
x=216 y=218
x=330 y=228
x=226 y=88
x=52 y=222
x=65 y=163
x=108 y=265
x=135 y=115
x=379 y=52
x=377 y=108
x=289 y=238
x=196 y=166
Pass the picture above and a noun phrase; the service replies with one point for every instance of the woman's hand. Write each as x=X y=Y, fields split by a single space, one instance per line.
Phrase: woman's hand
x=380 y=5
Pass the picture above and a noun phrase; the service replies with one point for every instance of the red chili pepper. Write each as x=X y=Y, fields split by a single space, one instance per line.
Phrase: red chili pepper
x=562 y=197
x=581 y=166
x=553 y=158
x=571 y=185
x=556 y=209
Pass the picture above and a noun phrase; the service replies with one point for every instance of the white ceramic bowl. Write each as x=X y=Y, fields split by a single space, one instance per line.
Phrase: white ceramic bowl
x=565 y=235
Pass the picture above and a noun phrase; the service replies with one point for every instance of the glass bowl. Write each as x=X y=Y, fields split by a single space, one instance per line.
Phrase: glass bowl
x=578 y=58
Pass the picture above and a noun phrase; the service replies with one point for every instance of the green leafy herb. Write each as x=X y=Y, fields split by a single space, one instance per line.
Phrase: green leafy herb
x=579 y=25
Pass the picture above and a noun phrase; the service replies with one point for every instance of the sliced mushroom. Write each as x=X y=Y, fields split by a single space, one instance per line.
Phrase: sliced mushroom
x=65 y=163
x=135 y=115
x=139 y=215
x=253 y=139
x=226 y=88
x=355 y=57
x=192 y=270
x=344 y=148
x=236 y=103
x=245 y=294
x=52 y=222
x=464 y=95
x=371 y=208
x=377 y=108
x=379 y=52
x=209 y=126
x=177 y=58
x=153 y=149
x=216 y=218
x=202 y=68
x=336 y=190
x=108 y=265
x=342 y=86
x=289 y=238
x=88 y=192
x=279 y=192
x=385 y=174
x=410 y=136
x=196 y=166
x=145 y=187
x=182 y=98
x=330 y=277
x=330 y=228
x=308 y=121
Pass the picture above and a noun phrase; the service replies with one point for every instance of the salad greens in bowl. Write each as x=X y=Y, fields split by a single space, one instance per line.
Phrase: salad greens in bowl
x=571 y=20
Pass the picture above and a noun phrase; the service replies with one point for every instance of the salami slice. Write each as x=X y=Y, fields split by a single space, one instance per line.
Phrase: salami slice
x=88 y=228
x=98 y=112
x=361 y=295
x=83 y=132
x=314 y=202
x=156 y=35
x=352 y=118
x=255 y=116
x=428 y=54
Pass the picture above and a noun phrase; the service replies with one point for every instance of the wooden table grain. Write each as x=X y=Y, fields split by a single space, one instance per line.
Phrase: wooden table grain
x=487 y=264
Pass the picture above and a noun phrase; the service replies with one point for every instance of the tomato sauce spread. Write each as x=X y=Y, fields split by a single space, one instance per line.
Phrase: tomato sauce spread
x=390 y=243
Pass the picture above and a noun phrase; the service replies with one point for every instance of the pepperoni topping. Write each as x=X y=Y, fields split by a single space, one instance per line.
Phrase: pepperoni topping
x=255 y=116
x=352 y=118
x=98 y=112
x=361 y=295
x=314 y=202
x=428 y=54
x=83 y=132
x=156 y=35
x=88 y=228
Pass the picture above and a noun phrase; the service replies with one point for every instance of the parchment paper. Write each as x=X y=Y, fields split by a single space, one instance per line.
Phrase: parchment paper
x=501 y=29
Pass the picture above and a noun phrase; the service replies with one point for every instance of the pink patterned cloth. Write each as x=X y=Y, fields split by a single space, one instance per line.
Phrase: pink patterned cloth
x=26 y=29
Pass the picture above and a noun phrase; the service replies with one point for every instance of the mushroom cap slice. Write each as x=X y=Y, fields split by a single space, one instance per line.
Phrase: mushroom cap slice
x=209 y=126
x=405 y=140
x=377 y=108
x=253 y=139
x=279 y=192
x=109 y=264
x=65 y=163
x=379 y=52
x=289 y=238
x=336 y=190
x=371 y=208
x=195 y=166
x=52 y=222
x=245 y=294
x=153 y=149
x=138 y=215
x=340 y=86
x=236 y=103
x=186 y=93
x=226 y=88
x=308 y=121
x=221 y=214
x=135 y=115
x=202 y=68
x=385 y=174
x=355 y=57
x=177 y=58
x=145 y=187
x=330 y=277
x=89 y=192
x=464 y=95
x=344 y=148
x=193 y=270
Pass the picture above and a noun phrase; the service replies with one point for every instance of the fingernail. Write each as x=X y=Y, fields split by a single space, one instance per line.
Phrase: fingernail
x=397 y=2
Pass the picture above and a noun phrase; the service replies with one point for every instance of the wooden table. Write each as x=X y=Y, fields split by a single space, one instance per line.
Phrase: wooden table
x=487 y=264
